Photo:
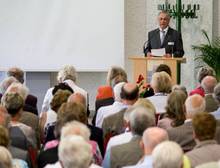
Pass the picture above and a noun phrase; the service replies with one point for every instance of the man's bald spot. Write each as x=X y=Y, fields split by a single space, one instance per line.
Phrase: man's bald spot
x=153 y=136
x=77 y=98
x=208 y=83
x=129 y=87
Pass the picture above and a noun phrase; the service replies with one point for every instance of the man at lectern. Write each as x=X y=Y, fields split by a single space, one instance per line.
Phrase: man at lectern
x=165 y=38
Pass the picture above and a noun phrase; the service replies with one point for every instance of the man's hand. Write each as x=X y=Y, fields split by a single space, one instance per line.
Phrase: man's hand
x=149 y=54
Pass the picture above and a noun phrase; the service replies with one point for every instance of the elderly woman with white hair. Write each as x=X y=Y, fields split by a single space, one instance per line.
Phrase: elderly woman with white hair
x=66 y=75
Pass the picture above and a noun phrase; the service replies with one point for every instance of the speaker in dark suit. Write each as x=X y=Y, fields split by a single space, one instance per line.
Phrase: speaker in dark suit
x=164 y=37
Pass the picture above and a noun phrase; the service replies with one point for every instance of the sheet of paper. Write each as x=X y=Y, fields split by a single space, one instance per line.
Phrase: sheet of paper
x=158 y=52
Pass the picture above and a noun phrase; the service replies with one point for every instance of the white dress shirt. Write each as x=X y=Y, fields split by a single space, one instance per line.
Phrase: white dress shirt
x=106 y=111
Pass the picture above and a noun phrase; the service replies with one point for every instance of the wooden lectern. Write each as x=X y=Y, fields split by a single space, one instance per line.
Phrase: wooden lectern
x=146 y=65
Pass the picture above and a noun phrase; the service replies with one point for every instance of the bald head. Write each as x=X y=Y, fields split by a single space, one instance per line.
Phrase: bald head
x=77 y=98
x=194 y=104
x=129 y=92
x=208 y=84
x=152 y=137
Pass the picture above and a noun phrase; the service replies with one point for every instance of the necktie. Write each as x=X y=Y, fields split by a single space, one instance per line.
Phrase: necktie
x=163 y=36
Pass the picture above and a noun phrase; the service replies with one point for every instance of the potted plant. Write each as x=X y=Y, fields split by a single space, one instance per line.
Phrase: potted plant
x=210 y=53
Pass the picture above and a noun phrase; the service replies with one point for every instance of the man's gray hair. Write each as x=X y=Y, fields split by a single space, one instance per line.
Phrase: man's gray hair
x=75 y=152
x=141 y=118
x=19 y=88
x=216 y=93
x=117 y=91
x=6 y=83
x=75 y=128
x=194 y=104
x=67 y=72
x=167 y=154
x=5 y=158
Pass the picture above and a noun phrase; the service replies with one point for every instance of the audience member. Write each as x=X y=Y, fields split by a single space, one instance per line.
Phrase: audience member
x=207 y=149
x=183 y=134
x=106 y=111
x=203 y=72
x=175 y=110
x=216 y=95
x=19 y=156
x=129 y=153
x=26 y=117
x=115 y=75
x=31 y=100
x=127 y=135
x=96 y=133
x=104 y=97
x=5 y=158
x=6 y=83
x=113 y=124
x=13 y=102
x=49 y=117
x=66 y=75
x=161 y=84
x=208 y=83
x=180 y=87
x=151 y=138
x=168 y=154
x=165 y=68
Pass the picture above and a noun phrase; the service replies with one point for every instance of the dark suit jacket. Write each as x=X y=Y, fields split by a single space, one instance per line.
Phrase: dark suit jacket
x=49 y=156
x=126 y=154
x=171 y=36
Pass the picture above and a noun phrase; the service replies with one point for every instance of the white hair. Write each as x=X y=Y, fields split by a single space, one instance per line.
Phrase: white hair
x=117 y=91
x=140 y=119
x=75 y=152
x=19 y=88
x=75 y=128
x=167 y=154
x=6 y=83
x=67 y=72
x=194 y=104
x=5 y=158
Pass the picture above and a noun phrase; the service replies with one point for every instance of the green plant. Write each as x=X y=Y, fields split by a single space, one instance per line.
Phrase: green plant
x=210 y=53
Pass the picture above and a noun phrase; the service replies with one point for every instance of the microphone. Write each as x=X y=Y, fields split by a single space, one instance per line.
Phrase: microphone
x=145 y=48
x=171 y=44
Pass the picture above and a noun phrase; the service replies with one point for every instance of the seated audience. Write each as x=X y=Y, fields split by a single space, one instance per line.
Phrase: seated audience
x=4 y=117
x=127 y=135
x=74 y=152
x=5 y=158
x=113 y=124
x=206 y=149
x=216 y=95
x=208 y=83
x=50 y=116
x=167 y=154
x=31 y=100
x=161 y=84
x=165 y=68
x=68 y=112
x=96 y=133
x=67 y=75
x=129 y=153
x=203 y=72
x=183 y=134
x=106 y=111
x=6 y=83
x=180 y=87
x=13 y=102
x=151 y=138
x=19 y=156
x=175 y=110
x=26 y=117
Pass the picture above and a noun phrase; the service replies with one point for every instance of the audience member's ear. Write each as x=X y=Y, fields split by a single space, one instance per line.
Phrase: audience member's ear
x=141 y=144
x=194 y=135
